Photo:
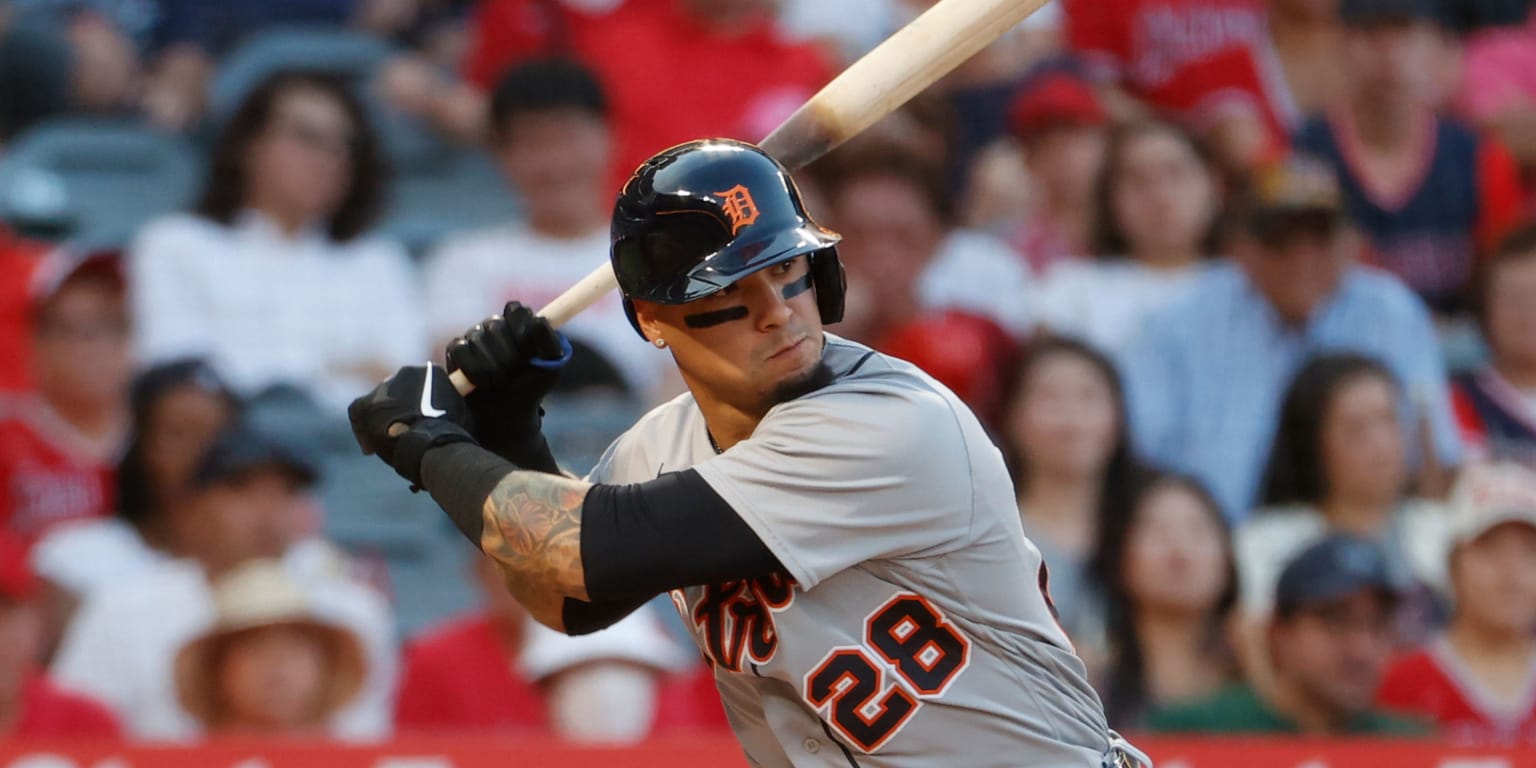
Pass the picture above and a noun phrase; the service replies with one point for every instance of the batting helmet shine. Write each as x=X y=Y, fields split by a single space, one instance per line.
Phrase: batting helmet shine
x=702 y=215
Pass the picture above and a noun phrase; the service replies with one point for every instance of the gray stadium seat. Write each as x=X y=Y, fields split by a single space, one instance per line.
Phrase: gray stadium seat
x=94 y=181
x=439 y=193
x=351 y=55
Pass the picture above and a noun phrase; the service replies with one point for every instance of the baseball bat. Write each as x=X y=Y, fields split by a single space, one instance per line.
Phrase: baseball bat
x=911 y=59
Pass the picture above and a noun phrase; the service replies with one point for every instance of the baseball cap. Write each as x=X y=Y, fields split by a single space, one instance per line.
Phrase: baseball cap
x=1299 y=189
x=1052 y=99
x=1489 y=495
x=1335 y=567
x=242 y=448
x=65 y=264
x=1362 y=13
x=17 y=582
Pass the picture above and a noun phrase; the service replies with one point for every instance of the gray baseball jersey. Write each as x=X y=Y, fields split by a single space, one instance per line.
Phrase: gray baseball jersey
x=915 y=628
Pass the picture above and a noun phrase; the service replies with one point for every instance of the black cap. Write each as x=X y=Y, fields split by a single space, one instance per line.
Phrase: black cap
x=1333 y=568
x=1364 y=13
x=242 y=448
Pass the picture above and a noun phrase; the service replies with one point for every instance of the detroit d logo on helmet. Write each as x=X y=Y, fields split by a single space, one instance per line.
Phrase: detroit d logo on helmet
x=738 y=206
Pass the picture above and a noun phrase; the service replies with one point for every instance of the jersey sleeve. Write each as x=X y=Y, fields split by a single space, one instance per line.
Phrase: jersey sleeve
x=839 y=478
x=1500 y=195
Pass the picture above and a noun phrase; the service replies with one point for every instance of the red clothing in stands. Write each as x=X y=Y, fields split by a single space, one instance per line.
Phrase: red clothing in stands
x=668 y=77
x=18 y=260
x=1431 y=682
x=47 y=476
x=49 y=713
x=1194 y=58
x=458 y=679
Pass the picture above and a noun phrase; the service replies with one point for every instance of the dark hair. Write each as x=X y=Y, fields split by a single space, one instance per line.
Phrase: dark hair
x=1294 y=474
x=543 y=85
x=224 y=190
x=884 y=158
x=1518 y=245
x=136 y=498
x=1125 y=685
x=1109 y=241
x=1121 y=468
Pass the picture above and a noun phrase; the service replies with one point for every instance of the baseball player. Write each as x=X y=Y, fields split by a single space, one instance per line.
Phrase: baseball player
x=835 y=528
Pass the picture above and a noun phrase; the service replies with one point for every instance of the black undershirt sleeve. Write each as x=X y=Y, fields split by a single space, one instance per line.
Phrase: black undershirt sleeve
x=640 y=540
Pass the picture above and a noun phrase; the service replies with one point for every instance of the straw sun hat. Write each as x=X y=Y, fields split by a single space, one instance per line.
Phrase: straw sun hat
x=260 y=594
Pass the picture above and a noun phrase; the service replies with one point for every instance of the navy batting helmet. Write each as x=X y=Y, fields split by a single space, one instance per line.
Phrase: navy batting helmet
x=702 y=215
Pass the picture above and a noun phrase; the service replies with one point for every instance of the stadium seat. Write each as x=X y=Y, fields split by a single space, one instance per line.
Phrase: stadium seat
x=438 y=193
x=94 y=181
x=351 y=55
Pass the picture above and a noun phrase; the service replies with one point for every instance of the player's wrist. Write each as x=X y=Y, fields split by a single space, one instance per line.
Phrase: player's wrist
x=424 y=435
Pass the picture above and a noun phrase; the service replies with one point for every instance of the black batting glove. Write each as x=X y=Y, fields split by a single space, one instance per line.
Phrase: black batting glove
x=409 y=413
x=514 y=359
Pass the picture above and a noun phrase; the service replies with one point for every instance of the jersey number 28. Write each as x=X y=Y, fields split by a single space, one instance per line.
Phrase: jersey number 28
x=910 y=639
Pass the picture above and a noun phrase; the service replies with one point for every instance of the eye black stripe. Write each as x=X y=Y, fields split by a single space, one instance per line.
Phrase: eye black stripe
x=708 y=319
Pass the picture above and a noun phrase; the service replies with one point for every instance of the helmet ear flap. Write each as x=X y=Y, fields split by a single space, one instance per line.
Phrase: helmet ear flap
x=831 y=283
x=629 y=312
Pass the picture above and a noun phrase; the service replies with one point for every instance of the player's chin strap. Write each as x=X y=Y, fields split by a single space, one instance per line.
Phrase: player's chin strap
x=1123 y=754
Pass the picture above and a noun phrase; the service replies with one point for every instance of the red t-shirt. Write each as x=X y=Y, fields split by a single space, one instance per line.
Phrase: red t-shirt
x=46 y=477
x=458 y=679
x=18 y=261
x=50 y=713
x=1194 y=58
x=668 y=77
x=1430 y=682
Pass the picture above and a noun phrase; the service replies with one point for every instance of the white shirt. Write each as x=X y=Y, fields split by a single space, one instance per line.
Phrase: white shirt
x=86 y=556
x=471 y=276
x=121 y=647
x=1106 y=302
x=1414 y=544
x=976 y=272
x=268 y=309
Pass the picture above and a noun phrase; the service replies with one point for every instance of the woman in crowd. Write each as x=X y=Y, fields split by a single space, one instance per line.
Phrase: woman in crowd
x=1158 y=211
x=1477 y=680
x=271 y=277
x=1339 y=464
x=1170 y=585
x=271 y=664
x=177 y=409
x=1065 y=438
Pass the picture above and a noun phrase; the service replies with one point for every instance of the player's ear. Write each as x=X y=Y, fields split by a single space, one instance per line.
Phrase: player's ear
x=645 y=315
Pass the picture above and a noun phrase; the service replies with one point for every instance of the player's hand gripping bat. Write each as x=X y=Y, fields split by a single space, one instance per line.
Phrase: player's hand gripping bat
x=908 y=61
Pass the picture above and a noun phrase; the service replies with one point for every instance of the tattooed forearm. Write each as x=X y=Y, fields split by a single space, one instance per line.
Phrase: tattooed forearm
x=533 y=529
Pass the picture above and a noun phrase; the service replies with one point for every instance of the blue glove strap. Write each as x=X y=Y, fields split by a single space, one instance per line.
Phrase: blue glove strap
x=558 y=363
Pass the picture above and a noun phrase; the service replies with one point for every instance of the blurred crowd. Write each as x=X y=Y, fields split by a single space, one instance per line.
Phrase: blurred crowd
x=1244 y=289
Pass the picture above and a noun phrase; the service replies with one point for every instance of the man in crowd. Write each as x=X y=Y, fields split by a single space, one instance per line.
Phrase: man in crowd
x=1329 y=642
x=1474 y=680
x=1428 y=193
x=550 y=130
x=248 y=493
x=903 y=253
x=1204 y=380
x=58 y=446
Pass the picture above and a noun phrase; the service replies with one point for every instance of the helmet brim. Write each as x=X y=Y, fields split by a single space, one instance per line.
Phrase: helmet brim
x=739 y=259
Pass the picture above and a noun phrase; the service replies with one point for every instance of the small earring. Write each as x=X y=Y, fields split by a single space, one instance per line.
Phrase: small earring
x=660 y=343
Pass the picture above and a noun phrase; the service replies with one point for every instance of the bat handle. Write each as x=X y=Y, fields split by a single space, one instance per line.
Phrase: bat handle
x=578 y=297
